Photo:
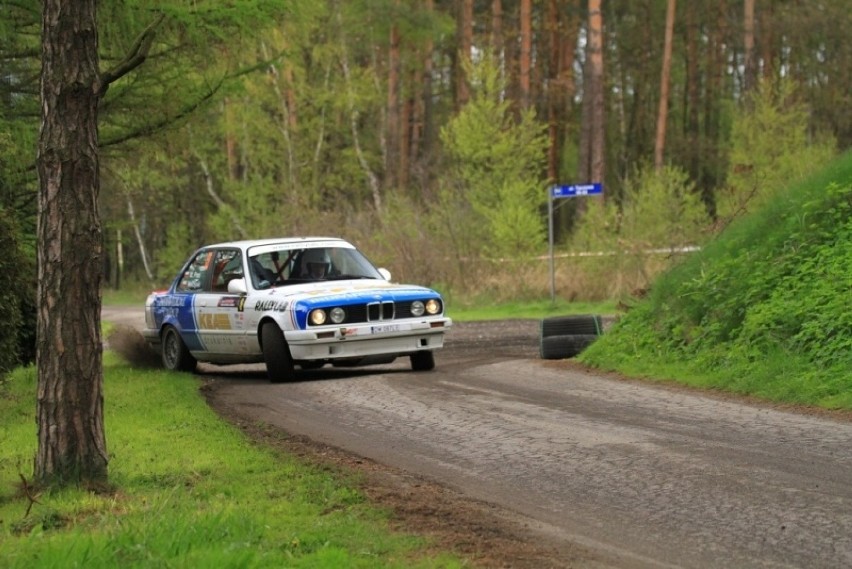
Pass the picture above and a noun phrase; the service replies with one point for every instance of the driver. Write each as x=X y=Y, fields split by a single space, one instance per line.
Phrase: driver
x=316 y=264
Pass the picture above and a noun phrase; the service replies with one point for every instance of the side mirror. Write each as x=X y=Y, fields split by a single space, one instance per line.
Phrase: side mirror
x=385 y=274
x=237 y=286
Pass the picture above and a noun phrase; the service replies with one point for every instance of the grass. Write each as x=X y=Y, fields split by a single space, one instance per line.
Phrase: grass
x=763 y=310
x=191 y=491
x=532 y=309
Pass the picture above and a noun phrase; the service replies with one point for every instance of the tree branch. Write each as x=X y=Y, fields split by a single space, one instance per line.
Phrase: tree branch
x=154 y=127
x=134 y=58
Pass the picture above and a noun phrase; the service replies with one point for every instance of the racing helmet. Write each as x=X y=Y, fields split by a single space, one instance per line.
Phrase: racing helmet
x=316 y=262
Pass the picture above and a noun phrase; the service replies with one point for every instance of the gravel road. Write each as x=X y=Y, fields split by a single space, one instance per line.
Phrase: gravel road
x=569 y=468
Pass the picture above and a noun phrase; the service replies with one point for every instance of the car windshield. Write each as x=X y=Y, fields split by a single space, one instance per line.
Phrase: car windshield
x=295 y=266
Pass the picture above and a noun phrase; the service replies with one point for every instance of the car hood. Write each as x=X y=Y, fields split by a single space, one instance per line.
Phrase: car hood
x=347 y=291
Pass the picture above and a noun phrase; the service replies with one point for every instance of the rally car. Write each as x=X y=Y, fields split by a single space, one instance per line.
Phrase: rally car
x=306 y=302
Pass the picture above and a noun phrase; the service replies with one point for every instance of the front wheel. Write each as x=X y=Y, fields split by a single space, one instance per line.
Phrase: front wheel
x=423 y=361
x=176 y=356
x=279 y=364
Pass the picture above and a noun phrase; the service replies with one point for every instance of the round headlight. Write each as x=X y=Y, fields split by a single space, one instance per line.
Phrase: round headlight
x=417 y=308
x=317 y=317
x=433 y=306
x=337 y=315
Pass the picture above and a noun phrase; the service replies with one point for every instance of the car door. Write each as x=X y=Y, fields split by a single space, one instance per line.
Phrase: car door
x=219 y=315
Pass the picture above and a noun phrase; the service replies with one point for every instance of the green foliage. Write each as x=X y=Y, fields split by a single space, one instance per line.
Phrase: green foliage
x=190 y=493
x=17 y=297
x=770 y=148
x=763 y=309
x=660 y=214
x=497 y=162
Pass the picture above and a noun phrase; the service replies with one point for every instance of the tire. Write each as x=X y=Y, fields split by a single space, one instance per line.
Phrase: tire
x=585 y=324
x=565 y=346
x=423 y=361
x=175 y=354
x=276 y=354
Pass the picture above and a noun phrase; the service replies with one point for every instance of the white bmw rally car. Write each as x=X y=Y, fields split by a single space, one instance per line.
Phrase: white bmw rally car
x=292 y=302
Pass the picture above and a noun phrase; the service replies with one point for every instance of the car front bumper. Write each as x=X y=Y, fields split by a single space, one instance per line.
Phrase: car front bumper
x=343 y=342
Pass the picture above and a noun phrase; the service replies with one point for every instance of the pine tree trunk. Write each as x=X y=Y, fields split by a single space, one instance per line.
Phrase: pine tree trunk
x=693 y=93
x=393 y=110
x=71 y=440
x=465 y=47
x=663 y=111
x=525 y=58
x=597 y=159
x=749 y=59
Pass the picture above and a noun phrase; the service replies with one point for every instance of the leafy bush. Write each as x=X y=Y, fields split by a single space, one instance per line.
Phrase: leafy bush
x=660 y=215
x=497 y=163
x=770 y=148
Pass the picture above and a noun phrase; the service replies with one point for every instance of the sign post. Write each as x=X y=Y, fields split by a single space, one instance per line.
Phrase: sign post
x=558 y=192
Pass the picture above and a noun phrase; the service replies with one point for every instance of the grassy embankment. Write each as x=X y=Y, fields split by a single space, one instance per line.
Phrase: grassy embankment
x=189 y=491
x=764 y=310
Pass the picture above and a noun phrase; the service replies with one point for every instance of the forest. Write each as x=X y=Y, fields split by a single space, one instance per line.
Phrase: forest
x=429 y=132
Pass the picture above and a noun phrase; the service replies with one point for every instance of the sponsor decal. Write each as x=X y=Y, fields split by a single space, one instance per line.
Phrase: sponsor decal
x=170 y=301
x=348 y=331
x=218 y=321
x=219 y=341
x=266 y=305
x=230 y=302
x=241 y=305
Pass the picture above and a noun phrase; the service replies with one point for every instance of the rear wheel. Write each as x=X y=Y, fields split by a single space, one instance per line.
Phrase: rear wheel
x=176 y=356
x=423 y=361
x=279 y=364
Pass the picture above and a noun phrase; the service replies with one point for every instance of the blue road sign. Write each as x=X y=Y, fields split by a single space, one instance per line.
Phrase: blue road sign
x=576 y=190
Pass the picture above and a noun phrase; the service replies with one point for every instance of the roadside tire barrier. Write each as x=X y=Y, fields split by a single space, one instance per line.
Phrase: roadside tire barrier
x=565 y=346
x=584 y=324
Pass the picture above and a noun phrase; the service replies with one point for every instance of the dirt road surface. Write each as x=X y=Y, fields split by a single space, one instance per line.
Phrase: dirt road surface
x=519 y=462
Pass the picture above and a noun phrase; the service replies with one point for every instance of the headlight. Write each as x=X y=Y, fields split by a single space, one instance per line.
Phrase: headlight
x=417 y=308
x=433 y=306
x=317 y=317
x=337 y=315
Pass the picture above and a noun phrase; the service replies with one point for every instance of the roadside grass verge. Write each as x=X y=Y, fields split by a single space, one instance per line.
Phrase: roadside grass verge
x=762 y=310
x=188 y=490
x=470 y=311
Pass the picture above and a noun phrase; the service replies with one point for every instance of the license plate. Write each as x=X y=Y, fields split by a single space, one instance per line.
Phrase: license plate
x=385 y=328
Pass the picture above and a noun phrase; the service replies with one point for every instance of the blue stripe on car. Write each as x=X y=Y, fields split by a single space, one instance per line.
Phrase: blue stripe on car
x=303 y=307
x=184 y=321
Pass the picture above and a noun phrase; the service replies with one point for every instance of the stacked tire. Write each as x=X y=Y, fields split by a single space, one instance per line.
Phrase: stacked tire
x=566 y=336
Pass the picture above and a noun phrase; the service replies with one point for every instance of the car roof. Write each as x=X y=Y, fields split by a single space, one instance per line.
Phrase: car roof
x=246 y=243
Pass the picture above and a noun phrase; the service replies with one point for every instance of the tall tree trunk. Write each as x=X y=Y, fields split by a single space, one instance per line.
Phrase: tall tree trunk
x=563 y=31
x=554 y=94
x=712 y=115
x=665 y=76
x=693 y=95
x=137 y=232
x=497 y=29
x=422 y=128
x=71 y=440
x=525 y=58
x=372 y=178
x=597 y=157
x=749 y=59
x=393 y=110
x=465 y=47
x=767 y=41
